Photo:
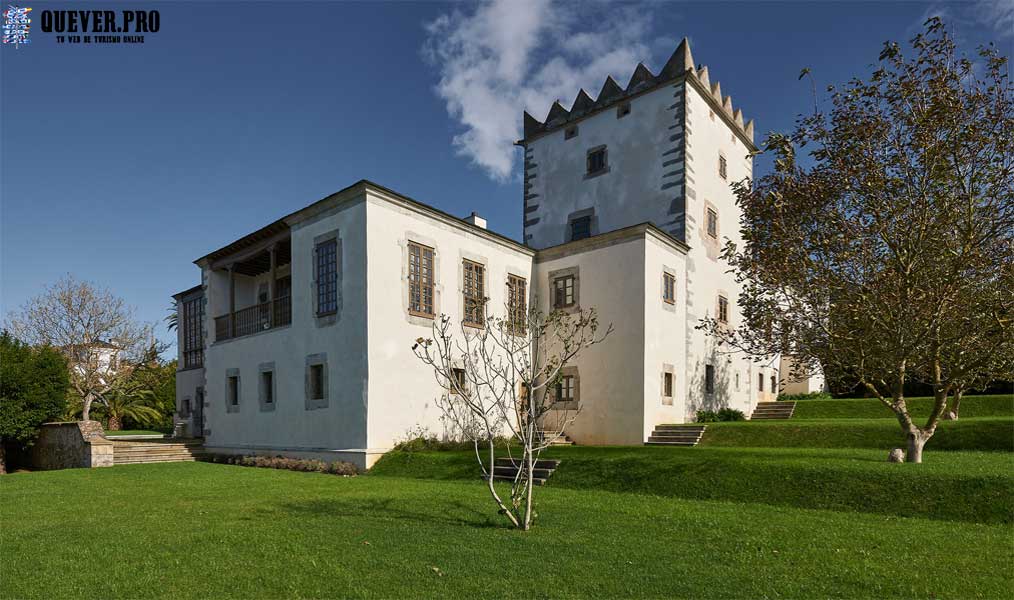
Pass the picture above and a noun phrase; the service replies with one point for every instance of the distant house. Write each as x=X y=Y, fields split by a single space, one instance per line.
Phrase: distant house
x=298 y=339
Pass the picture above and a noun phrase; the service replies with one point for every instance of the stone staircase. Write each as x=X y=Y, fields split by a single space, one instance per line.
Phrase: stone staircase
x=505 y=470
x=556 y=440
x=129 y=452
x=676 y=435
x=773 y=410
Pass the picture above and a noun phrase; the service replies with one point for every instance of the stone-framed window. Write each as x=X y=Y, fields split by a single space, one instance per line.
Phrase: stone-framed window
x=517 y=304
x=709 y=379
x=669 y=288
x=597 y=161
x=421 y=280
x=668 y=384
x=567 y=392
x=723 y=309
x=185 y=408
x=326 y=269
x=723 y=167
x=570 y=132
x=580 y=228
x=233 y=392
x=267 y=389
x=317 y=384
x=774 y=384
x=712 y=222
x=622 y=110
x=760 y=382
x=473 y=293
x=460 y=381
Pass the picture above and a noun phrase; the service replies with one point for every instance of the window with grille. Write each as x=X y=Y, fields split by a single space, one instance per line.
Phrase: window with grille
x=580 y=228
x=669 y=288
x=193 y=333
x=420 y=280
x=327 y=277
x=709 y=379
x=563 y=291
x=474 y=293
x=712 y=223
x=565 y=389
x=723 y=309
x=597 y=160
x=723 y=167
x=517 y=304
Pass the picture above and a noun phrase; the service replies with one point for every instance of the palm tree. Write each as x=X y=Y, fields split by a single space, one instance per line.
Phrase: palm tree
x=172 y=319
x=138 y=405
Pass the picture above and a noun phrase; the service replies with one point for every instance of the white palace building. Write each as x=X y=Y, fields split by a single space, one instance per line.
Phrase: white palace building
x=298 y=339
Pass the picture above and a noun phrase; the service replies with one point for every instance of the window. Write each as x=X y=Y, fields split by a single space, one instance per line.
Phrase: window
x=186 y=408
x=709 y=379
x=669 y=288
x=570 y=132
x=460 y=382
x=420 y=280
x=233 y=390
x=723 y=168
x=193 y=333
x=712 y=223
x=737 y=382
x=517 y=304
x=580 y=228
x=317 y=382
x=667 y=385
x=565 y=389
x=563 y=291
x=597 y=160
x=774 y=384
x=760 y=382
x=474 y=293
x=723 y=309
x=327 y=277
x=268 y=386
x=622 y=110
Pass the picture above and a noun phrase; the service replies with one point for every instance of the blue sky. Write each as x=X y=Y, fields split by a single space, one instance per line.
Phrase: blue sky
x=123 y=163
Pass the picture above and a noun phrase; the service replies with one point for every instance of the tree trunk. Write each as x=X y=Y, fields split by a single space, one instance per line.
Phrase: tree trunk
x=114 y=423
x=86 y=407
x=957 y=404
x=916 y=440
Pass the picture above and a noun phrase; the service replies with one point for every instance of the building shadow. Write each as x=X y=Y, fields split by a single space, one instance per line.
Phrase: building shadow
x=449 y=512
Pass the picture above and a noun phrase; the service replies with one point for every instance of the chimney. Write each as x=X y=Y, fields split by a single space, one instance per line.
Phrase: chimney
x=476 y=220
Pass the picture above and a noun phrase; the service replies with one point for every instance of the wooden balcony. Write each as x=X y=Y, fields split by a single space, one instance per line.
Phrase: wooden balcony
x=253 y=319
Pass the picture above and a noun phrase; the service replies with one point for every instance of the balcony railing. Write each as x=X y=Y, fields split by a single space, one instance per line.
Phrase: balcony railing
x=259 y=317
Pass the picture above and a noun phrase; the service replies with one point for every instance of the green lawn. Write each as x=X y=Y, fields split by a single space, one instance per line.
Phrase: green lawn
x=870 y=408
x=984 y=434
x=208 y=530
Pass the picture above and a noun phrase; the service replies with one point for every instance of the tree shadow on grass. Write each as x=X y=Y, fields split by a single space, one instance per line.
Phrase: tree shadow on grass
x=455 y=513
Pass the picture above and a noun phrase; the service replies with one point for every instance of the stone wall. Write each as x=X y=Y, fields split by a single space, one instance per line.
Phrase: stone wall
x=73 y=445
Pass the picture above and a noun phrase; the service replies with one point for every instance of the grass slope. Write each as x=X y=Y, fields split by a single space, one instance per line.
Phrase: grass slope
x=982 y=434
x=205 y=530
x=871 y=408
x=959 y=486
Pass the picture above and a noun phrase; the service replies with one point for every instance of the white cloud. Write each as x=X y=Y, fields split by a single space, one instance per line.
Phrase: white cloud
x=510 y=55
x=998 y=14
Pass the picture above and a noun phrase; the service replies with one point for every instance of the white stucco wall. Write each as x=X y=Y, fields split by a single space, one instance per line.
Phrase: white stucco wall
x=339 y=429
x=403 y=390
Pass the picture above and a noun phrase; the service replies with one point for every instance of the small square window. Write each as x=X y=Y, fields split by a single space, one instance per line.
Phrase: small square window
x=316 y=382
x=709 y=379
x=712 y=223
x=460 y=381
x=622 y=110
x=268 y=386
x=723 y=167
x=565 y=389
x=570 y=132
x=667 y=387
x=723 y=309
x=597 y=161
x=669 y=288
x=563 y=291
x=580 y=228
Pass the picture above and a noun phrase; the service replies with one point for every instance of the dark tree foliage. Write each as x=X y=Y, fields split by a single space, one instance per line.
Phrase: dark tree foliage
x=33 y=390
x=890 y=258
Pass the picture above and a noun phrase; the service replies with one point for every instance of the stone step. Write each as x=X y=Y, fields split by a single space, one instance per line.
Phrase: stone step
x=681 y=427
x=542 y=463
x=143 y=461
x=511 y=472
x=672 y=434
x=675 y=438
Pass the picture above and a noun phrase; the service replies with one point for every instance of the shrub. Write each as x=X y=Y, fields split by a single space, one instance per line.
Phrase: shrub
x=337 y=467
x=707 y=416
x=809 y=396
x=731 y=414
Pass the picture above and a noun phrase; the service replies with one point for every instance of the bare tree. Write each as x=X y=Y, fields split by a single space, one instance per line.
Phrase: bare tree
x=890 y=258
x=503 y=380
x=95 y=330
